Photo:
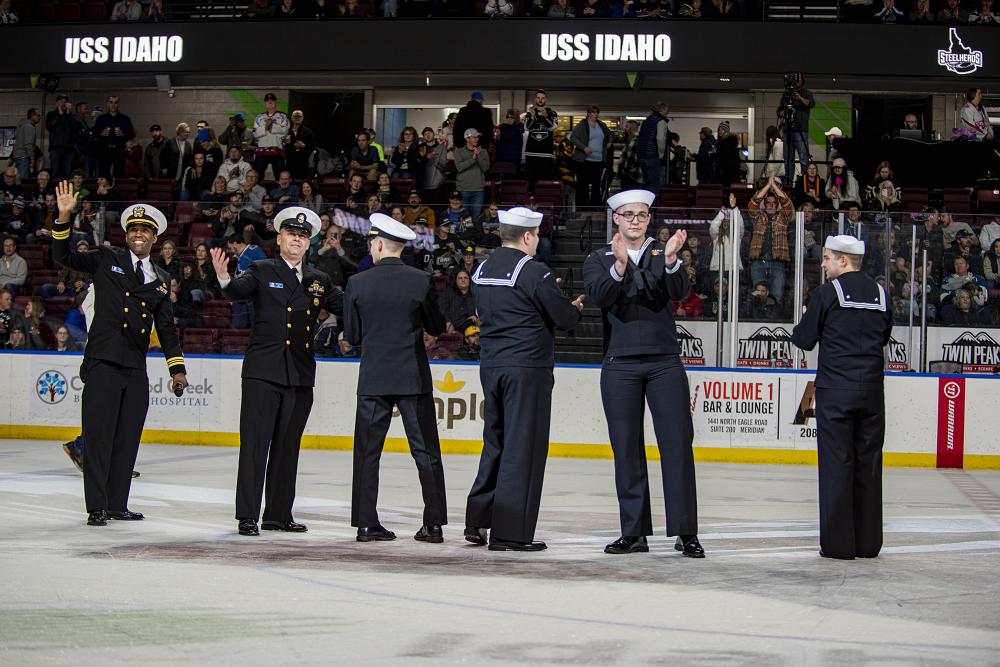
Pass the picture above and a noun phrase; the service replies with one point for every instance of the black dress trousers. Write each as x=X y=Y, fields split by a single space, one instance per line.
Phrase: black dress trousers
x=627 y=384
x=374 y=415
x=115 y=402
x=272 y=419
x=850 y=430
x=508 y=489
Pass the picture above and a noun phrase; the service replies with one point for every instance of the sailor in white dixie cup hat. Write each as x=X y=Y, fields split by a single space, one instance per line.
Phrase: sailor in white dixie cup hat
x=633 y=280
x=851 y=318
x=279 y=369
x=134 y=297
x=519 y=305
x=387 y=310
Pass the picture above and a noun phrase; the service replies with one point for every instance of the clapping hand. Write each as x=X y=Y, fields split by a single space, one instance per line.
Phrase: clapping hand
x=674 y=245
x=578 y=301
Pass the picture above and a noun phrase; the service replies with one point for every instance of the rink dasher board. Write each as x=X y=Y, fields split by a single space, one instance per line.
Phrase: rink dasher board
x=740 y=415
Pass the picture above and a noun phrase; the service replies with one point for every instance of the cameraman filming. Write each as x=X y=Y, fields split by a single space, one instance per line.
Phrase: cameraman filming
x=793 y=119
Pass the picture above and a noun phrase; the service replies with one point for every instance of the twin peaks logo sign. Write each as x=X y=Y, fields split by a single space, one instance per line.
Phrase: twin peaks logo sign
x=959 y=59
x=978 y=353
x=766 y=348
x=692 y=347
x=895 y=356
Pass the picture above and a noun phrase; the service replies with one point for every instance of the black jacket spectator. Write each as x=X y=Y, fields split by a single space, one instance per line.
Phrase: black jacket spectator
x=63 y=129
x=458 y=307
x=474 y=114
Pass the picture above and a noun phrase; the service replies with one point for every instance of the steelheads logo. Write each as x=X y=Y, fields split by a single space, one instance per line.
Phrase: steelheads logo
x=959 y=59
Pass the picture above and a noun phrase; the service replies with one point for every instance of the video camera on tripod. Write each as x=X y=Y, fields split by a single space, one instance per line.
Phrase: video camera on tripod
x=788 y=119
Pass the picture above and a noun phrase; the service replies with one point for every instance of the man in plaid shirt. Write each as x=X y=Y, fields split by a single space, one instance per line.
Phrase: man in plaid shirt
x=771 y=211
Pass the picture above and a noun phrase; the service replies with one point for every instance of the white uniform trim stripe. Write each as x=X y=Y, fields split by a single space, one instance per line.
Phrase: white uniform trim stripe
x=503 y=282
x=844 y=303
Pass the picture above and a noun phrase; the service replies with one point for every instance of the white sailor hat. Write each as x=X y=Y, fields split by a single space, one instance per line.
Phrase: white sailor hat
x=520 y=216
x=389 y=228
x=144 y=214
x=300 y=218
x=618 y=200
x=845 y=243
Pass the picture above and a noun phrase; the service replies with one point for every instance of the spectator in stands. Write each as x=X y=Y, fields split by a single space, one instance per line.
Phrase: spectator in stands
x=416 y=209
x=42 y=187
x=25 y=150
x=86 y=146
x=356 y=198
x=565 y=151
x=950 y=227
x=510 y=143
x=560 y=9
x=204 y=271
x=406 y=160
x=259 y=227
x=474 y=115
x=285 y=193
x=963 y=311
x=7 y=316
x=721 y=230
x=64 y=342
x=446 y=135
x=167 y=259
x=810 y=187
x=300 y=142
x=234 y=170
x=727 y=165
x=911 y=124
x=212 y=202
x=18 y=338
x=690 y=308
x=707 y=156
x=364 y=159
x=489 y=223
x=889 y=13
x=112 y=131
x=206 y=144
x=375 y=205
x=436 y=351
x=39 y=328
x=261 y=9
x=854 y=223
x=386 y=191
x=133 y=159
x=652 y=146
x=87 y=224
x=882 y=173
x=433 y=160
x=471 y=162
x=540 y=123
x=352 y=9
x=253 y=192
x=151 y=155
x=19 y=223
x=966 y=246
x=983 y=15
x=964 y=278
x=469 y=261
x=771 y=212
x=233 y=219
x=498 y=8
x=883 y=198
x=470 y=348
x=991 y=264
x=7 y=14
x=13 y=267
x=458 y=304
x=332 y=257
x=842 y=185
x=922 y=13
x=975 y=122
x=309 y=197
x=157 y=12
x=245 y=254
x=952 y=13
x=269 y=130
x=629 y=172
x=760 y=305
x=594 y=9
x=176 y=155
x=63 y=129
x=445 y=257
x=46 y=217
x=456 y=214
x=813 y=231
x=127 y=10
x=594 y=154
x=989 y=233
x=239 y=135
x=187 y=296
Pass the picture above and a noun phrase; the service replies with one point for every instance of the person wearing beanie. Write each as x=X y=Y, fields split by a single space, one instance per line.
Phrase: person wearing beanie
x=841 y=186
x=728 y=160
x=204 y=142
x=474 y=115
x=707 y=155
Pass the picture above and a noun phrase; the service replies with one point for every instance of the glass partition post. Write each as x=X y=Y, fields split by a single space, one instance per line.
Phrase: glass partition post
x=913 y=274
x=736 y=231
x=799 y=258
x=923 y=314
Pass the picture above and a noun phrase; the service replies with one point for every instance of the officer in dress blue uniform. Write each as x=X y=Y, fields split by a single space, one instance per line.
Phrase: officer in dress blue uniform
x=519 y=305
x=851 y=318
x=633 y=280
x=386 y=311
x=279 y=369
x=132 y=296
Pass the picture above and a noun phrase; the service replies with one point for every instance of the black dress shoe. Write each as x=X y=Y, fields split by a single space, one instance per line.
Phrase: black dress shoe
x=430 y=533
x=689 y=546
x=506 y=545
x=475 y=535
x=824 y=555
x=127 y=515
x=248 y=527
x=98 y=518
x=375 y=534
x=628 y=544
x=135 y=473
x=286 y=526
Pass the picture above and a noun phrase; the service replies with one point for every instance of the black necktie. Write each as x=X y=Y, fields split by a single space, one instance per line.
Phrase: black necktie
x=139 y=274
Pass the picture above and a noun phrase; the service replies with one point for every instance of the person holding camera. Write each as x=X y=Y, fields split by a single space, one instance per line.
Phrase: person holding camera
x=793 y=119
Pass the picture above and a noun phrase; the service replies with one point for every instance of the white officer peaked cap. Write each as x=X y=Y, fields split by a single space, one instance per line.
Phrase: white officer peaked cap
x=845 y=243
x=298 y=217
x=631 y=197
x=144 y=214
x=389 y=228
x=520 y=216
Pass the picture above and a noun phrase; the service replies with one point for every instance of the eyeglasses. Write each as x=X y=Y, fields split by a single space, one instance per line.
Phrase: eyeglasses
x=629 y=216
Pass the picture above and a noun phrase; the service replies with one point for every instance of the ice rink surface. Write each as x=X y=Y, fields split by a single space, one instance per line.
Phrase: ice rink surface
x=182 y=587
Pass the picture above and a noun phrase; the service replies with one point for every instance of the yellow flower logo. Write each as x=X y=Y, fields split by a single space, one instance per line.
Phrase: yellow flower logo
x=448 y=385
